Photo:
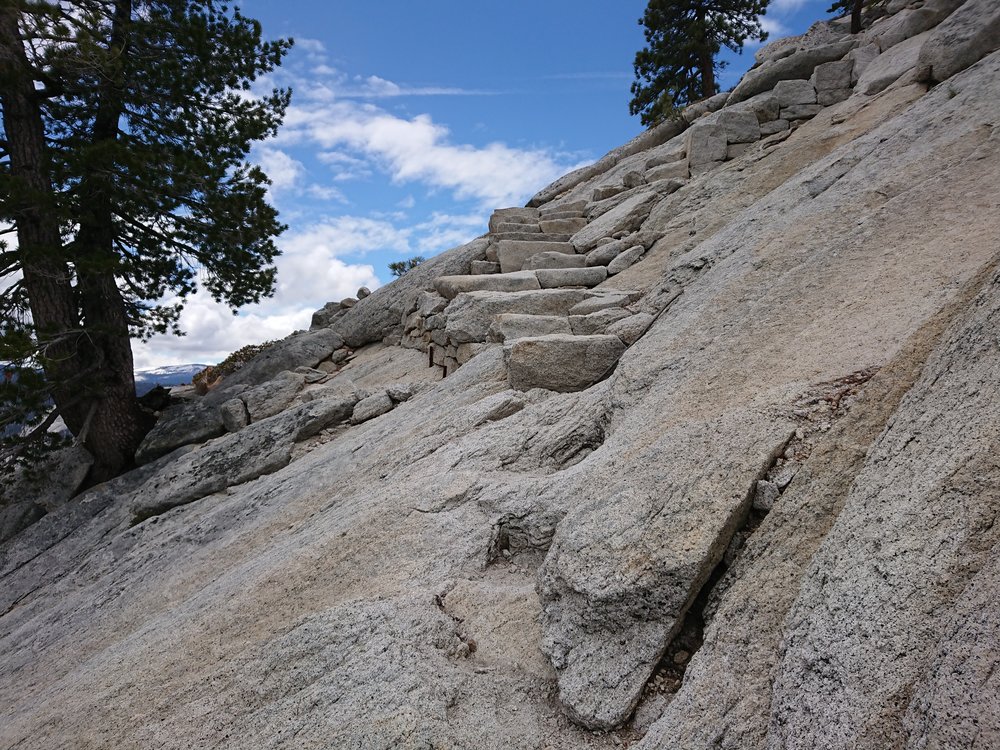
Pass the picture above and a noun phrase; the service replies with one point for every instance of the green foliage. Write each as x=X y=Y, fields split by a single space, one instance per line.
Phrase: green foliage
x=402 y=266
x=187 y=205
x=683 y=38
x=854 y=9
x=148 y=118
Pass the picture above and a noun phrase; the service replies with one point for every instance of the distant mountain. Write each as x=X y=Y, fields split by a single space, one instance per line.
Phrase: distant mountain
x=146 y=380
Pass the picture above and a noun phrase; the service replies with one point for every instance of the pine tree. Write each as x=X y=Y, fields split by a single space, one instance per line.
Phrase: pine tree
x=854 y=7
x=125 y=130
x=678 y=65
x=400 y=267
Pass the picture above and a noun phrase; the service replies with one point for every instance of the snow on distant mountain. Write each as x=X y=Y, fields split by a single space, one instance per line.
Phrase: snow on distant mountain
x=146 y=380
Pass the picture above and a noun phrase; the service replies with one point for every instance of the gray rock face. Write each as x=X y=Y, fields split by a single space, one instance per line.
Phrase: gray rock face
x=764 y=106
x=513 y=216
x=605 y=253
x=374 y=406
x=741 y=126
x=832 y=75
x=600 y=302
x=631 y=328
x=625 y=259
x=26 y=496
x=799 y=64
x=274 y=396
x=234 y=414
x=677 y=170
x=624 y=218
x=539 y=362
x=894 y=555
x=597 y=322
x=800 y=111
x=562 y=226
x=483 y=266
x=182 y=424
x=789 y=93
x=964 y=38
x=705 y=144
x=301 y=350
x=888 y=67
x=862 y=58
x=889 y=31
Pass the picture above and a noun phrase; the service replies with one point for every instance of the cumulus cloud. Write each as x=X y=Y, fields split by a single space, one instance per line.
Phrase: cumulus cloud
x=284 y=171
x=790 y=6
x=310 y=274
x=420 y=150
x=773 y=27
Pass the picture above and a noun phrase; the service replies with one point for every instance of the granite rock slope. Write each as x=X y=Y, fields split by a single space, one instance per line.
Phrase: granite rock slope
x=699 y=450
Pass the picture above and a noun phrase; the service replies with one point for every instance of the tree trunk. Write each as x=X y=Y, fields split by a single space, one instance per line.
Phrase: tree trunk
x=706 y=61
x=856 y=16
x=118 y=424
x=88 y=360
x=46 y=274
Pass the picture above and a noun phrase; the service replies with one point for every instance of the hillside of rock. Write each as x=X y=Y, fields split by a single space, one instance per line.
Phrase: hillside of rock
x=699 y=449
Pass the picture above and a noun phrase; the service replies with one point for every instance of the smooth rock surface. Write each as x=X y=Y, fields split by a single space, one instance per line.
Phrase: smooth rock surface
x=962 y=39
x=626 y=217
x=539 y=362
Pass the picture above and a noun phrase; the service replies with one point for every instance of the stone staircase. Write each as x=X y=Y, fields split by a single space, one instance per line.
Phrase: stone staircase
x=534 y=293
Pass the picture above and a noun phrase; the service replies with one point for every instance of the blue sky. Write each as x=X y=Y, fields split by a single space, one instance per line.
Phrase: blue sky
x=410 y=122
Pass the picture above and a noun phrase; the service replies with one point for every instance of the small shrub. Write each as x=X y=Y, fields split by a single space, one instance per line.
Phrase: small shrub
x=211 y=375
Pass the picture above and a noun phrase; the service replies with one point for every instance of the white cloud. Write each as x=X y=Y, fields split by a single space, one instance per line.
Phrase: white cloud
x=443 y=231
x=790 y=6
x=284 y=171
x=309 y=275
x=774 y=28
x=420 y=150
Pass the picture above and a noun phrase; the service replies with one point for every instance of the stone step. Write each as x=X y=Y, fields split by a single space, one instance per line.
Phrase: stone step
x=470 y=315
x=511 y=326
x=450 y=287
x=531 y=237
x=562 y=226
x=516 y=227
x=513 y=253
x=554 y=278
x=479 y=267
x=540 y=362
x=597 y=322
x=554 y=260
x=512 y=216
x=556 y=215
x=677 y=170
x=549 y=211
x=603 y=301
x=605 y=191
